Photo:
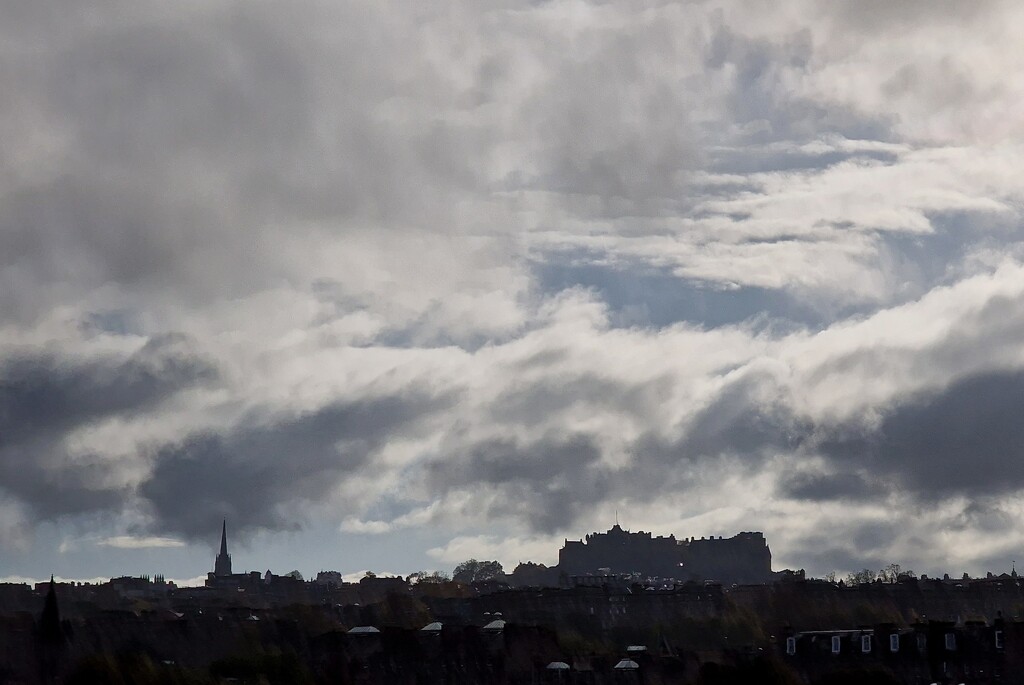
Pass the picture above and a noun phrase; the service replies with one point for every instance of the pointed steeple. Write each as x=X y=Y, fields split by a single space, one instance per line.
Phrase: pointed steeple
x=49 y=622
x=222 y=567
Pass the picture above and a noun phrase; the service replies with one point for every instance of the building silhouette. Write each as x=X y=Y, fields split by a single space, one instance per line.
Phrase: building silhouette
x=222 y=567
x=221 y=577
x=743 y=558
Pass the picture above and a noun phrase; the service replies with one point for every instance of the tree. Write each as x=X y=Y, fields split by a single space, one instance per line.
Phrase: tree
x=428 y=577
x=295 y=574
x=861 y=577
x=472 y=571
x=890 y=573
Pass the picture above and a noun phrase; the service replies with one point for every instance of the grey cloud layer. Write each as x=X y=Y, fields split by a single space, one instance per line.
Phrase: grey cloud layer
x=45 y=398
x=260 y=470
x=963 y=440
x=502 y=264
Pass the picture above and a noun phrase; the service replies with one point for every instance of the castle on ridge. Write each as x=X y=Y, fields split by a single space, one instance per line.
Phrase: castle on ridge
x=743 y=559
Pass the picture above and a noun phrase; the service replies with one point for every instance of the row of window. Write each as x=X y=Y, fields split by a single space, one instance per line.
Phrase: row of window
x=894 y=643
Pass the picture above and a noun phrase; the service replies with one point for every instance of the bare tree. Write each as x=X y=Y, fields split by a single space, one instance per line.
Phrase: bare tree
x=890 y=574
x=861 y=577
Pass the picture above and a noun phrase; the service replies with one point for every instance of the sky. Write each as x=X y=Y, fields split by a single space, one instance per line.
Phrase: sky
x=390 y=285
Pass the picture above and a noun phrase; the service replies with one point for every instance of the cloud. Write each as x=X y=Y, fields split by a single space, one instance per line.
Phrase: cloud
x=829 y=487
x=494 y=269
x=543 y=484
x=354 y=525
x=44 y=393
x=256 y=474
x=964 y=439
x=507 y=550
x=130 y=542
x=46 y=398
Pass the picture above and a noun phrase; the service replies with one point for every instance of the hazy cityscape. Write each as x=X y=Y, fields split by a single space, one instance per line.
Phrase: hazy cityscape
x=619 y=606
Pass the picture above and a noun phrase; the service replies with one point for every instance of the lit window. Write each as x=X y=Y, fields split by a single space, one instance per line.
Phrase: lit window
x=791 y=646
x=894 y=642
x=837 y=644
x=950 y=642
x=865 y=643
x=999 y=639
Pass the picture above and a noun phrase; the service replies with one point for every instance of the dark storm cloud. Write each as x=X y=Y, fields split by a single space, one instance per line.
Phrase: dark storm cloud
x=829 y=487
x=964 y=440
x=43 y=398
x=555 y=481
x=967 y=439
x=741 y=422
x=872 y=536
x=256 y=473
x=545 y=483
x=502 y=461
x=55 y=483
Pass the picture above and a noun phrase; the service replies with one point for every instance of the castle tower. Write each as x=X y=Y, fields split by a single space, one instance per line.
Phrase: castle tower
x=222 y=567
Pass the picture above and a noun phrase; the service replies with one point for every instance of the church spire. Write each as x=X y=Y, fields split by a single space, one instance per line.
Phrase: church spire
x=49 y=623
x=222 y=567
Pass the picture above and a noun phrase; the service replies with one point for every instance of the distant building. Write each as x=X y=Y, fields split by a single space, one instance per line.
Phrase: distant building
x=222 y=567
x=743 y=558
x=329 y=578
x=222 y=577
x=141 y=587
x=620 y=551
